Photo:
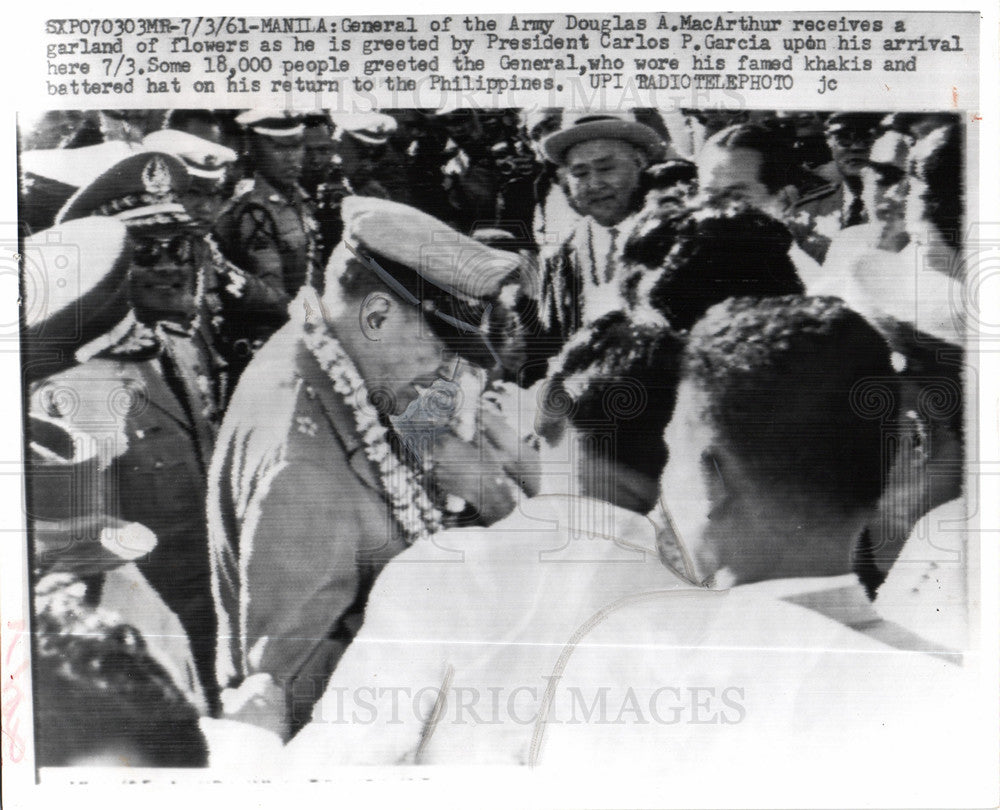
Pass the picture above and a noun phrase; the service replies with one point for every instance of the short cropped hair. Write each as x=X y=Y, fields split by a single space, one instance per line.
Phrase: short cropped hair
x=98 y=688
x=671 y=173
x=706 y=255
x=616 y=378
x=787 y=384
x=774 y=148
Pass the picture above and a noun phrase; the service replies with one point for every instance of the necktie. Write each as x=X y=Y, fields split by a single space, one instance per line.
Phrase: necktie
x=855 y=213
x=609 y=260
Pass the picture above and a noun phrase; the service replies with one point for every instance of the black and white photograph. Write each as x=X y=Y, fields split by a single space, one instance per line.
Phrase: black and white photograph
x=543 y=438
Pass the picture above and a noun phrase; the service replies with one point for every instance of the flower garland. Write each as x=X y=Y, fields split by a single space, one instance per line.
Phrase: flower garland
x=407 y=496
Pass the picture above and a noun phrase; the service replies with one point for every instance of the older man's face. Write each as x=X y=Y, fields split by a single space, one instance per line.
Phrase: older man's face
x=603 y=178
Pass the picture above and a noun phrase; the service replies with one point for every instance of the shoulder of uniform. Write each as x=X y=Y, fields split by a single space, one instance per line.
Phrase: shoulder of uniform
x=96 y=383
x=244 y=187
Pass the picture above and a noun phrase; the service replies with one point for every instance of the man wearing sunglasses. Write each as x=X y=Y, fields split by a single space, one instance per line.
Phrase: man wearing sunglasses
x=849 y=137
x=145 y=392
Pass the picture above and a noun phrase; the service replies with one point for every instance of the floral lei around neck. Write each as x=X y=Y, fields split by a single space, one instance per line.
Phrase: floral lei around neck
x=404 y=487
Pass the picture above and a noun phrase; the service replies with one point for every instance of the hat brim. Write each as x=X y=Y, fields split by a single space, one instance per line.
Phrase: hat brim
x=451 y=261
x=88 y=299
x=208 y=174
x=159 y=214
x=644 y=138
x=371 y=140
x=279 y=134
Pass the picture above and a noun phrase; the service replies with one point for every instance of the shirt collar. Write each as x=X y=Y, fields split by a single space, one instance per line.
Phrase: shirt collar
x=841 y=598
x=623 y=228
x=600 y=518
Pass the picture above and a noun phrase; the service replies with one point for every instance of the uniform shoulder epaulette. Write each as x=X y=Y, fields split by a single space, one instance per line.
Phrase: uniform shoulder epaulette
x=139 y=342
x=238 y=198
x=243 y=187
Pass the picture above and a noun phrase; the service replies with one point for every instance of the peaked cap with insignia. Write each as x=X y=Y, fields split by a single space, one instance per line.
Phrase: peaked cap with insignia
x=142 y=190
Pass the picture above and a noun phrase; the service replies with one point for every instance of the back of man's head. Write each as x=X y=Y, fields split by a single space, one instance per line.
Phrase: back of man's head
x=102 y=696
x=615 y=384
x=787 y=386
x=706 y=255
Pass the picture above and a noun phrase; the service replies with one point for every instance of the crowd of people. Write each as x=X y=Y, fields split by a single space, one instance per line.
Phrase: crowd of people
x=418 y=400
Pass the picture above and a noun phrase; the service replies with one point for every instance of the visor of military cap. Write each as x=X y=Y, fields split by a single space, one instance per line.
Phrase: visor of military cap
x=369 y=138
x=599 y=126
x=147 y=184
x=273 y=123
x=371 y=128
x=97 y=261
x=441 y=255
x=203 y=158
x=853 y=121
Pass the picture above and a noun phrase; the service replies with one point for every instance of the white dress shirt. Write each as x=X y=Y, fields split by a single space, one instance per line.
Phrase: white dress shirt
x=505 y=600
x=795 y=683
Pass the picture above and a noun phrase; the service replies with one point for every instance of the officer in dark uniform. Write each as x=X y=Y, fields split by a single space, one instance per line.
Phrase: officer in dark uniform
x=849 y=136
x=269 y=231
x=143 y=394
x=323 y=181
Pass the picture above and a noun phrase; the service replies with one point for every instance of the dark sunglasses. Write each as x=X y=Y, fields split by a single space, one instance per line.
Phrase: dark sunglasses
x=847 y=136
x=148 y=250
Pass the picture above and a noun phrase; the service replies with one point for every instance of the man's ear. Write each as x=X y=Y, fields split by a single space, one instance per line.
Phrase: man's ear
x=376 y=310
x=719 y=484
x=787 y=198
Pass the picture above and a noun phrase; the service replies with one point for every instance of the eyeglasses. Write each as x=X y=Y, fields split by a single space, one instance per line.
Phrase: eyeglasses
x=850 y=136
x=148 y=250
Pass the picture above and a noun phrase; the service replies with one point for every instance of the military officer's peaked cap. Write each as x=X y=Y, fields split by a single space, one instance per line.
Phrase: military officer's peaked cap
x=274 y=123
x=142 y=190
x=75 y=167
x=202 y=157
x=453 y=263
x=854 y=122
x=371 y=128
x=72 y=284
